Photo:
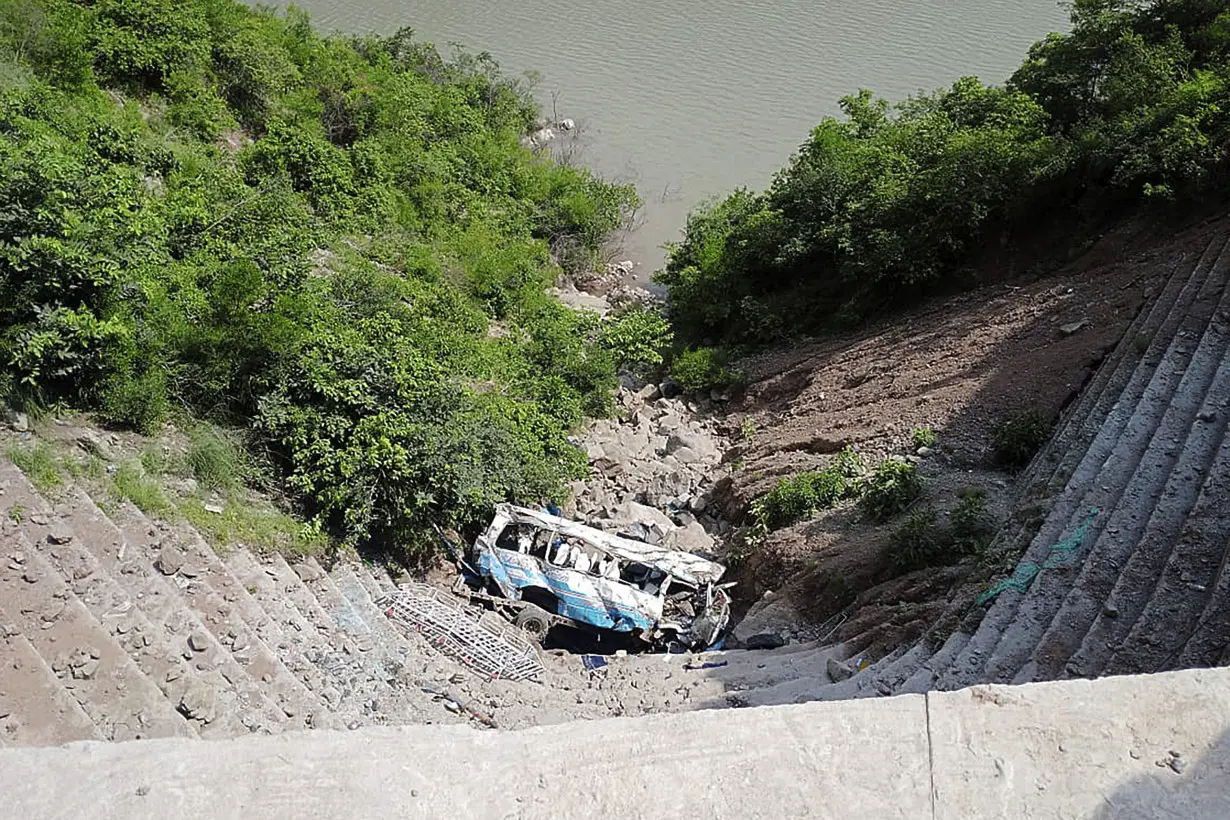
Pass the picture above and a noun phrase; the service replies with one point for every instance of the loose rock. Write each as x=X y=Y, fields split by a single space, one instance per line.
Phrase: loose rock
x=198 y=702
x=85 y=670
x=307 y=573
x=170 y=560
x=18 y=422
x=765 y=640
x=93 y=444
x=838 y=670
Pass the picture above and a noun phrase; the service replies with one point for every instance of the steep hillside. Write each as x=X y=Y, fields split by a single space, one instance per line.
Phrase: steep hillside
x=337 y=246
x=1112 y=544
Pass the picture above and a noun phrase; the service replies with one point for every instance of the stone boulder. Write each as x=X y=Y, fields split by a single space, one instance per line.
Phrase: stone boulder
x=631 y=512
x=693 y=538
x=700 y=447
x=771 y=614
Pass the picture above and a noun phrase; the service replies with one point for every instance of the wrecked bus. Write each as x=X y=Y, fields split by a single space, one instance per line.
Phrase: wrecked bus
x=540 y=570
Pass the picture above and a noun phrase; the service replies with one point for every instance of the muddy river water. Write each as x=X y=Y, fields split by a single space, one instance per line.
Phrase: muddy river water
x=690 y=99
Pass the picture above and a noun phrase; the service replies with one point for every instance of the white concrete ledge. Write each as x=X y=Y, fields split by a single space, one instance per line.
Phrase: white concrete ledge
x=1076 y=749
x=1085 y=749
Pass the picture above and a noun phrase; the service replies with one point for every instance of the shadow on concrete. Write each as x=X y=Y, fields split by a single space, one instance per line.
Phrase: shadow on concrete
x=1199 y=790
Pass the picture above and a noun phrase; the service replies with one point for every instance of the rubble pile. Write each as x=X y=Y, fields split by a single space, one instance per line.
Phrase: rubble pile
x=654 y=467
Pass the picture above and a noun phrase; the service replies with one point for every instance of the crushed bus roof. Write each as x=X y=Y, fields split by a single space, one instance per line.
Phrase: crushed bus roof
x=685 y=566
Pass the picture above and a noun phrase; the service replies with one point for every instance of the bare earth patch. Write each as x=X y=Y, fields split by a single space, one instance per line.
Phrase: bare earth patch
x=958 y=366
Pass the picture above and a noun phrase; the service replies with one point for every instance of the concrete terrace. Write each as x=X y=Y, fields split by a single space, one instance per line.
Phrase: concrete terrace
x=1155 y=746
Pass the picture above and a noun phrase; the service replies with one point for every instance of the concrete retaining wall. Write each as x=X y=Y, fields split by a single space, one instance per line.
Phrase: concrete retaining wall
x=1154 y=746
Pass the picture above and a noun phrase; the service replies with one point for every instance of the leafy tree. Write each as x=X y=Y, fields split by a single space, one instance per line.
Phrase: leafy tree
x=337 y=245
x=887 y=203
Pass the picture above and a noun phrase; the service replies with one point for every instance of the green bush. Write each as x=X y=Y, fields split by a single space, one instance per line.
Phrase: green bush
x=850 y=464
x=922 y=541
x=890 y=488
x=972 y=525
x=214 y=460
x=1019 y=438
x=799 y=497
x=139 y=402
x=703 y=368
x=637 y=339
x=354 y=284
x=919 y=541
x=923 y=437
x=803 y=495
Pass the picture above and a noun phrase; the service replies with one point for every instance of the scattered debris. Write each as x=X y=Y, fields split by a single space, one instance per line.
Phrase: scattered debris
x=462 y=633
x=1173 y=761
x=457 y=703
x=1073 y=328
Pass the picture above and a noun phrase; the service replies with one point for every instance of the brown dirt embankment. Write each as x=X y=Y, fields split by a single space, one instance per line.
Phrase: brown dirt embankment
x=958 y=366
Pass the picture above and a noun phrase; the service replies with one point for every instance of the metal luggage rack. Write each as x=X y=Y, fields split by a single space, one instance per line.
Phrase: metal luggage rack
x=487 y=645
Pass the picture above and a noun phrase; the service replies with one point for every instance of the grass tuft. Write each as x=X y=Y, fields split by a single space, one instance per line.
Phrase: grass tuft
x=132 y=484
x=40 y=465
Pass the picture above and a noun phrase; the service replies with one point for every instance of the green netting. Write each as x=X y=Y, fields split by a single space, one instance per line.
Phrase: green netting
x=1060 y=555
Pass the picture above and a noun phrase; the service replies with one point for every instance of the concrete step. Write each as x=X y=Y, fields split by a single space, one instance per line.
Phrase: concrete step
x=331 y=674
x=389 y=649
x=228 y=613
x=384 y=653
x=1109 y=467
x=1187 y=590
x=336 y=605
x=1167 y=532
x=348 y=583
x=1205 y=572
x=369 y=576
x=882 y=678
x=1049 y=471
x=35 y=709
x=1193 y=589
x=118 y=697
x=1176 y=454
x=971 y=664
x=236 y=699
x=187 y=678
x=923 y=679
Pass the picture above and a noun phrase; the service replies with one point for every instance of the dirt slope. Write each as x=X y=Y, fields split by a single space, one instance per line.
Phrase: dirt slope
x=958 y=366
